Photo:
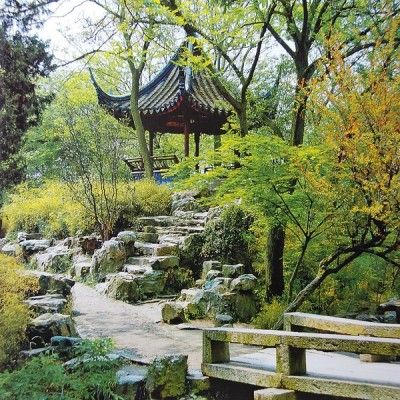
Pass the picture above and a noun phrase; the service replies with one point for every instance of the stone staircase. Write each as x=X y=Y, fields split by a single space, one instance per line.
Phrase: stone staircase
x=153 y=257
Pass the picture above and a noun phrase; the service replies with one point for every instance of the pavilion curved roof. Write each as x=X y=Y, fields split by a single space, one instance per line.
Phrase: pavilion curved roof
x=176 y=94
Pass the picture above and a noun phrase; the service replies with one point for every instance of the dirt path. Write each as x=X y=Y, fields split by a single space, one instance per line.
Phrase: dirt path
x=136 y=327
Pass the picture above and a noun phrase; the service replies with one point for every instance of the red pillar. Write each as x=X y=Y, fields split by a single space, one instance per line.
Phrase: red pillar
x=197 y=144
x=186 y=139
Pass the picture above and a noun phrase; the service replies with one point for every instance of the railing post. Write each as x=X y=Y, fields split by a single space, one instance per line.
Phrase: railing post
x=290 y=361
x=213 y=351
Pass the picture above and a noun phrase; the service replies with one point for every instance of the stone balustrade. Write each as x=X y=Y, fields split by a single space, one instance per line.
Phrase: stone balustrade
x=291 y=367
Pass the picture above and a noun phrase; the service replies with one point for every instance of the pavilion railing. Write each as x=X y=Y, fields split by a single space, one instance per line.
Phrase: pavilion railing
x=160 y=163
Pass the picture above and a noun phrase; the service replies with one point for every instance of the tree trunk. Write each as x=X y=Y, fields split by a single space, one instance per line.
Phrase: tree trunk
x=137 y=121
x=242 y=115
x=274 y=262
x=300 y=105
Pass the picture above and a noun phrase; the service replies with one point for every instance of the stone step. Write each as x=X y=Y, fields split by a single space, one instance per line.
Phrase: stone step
x=160 y=262
x=180 y=229
x=170 y=221
x=153 y=249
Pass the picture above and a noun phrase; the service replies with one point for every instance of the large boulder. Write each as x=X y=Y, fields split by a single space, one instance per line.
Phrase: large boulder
x=173 y=312
x=81 y=266
x=121 y=286
x=131 y=381
x=232 y=270
x=48 y=303
x=54 y=259
x=48 y=325
x=166 y=377
x=128 y=238
x=109 y=258
x=210 y=265
x=51 y=283
x=244 y=283
x=30 y=247
x=185 y=201
x=190 y=252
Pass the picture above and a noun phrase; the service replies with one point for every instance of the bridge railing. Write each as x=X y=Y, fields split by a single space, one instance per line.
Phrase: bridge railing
x=291 y=367
x=298 y=321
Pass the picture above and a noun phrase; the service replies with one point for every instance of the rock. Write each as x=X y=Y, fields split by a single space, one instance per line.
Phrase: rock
x=149 y=229
x=367 y=317
x=9 y=249
x=29 y=247
x=81 y=266
x=130 y=381
x=222 y=319
x=212 y=274
x=3 y=242
x=52 y=283
x=132 y=288
x=190 y=252
x=164 y=262
x=166 y=376
x=173 y=313
x=166 y=250
x=109 y=258
x=65 y=341
x=22 y=236
x=147 y=237
x=244 y=283
x=54 y=259
x=244 y=306
x=391 y=305
x=232 y=270
x=89 y=244
x=184 y=201
x=190 y=294
x=48 y=325
x=199 y=283
x=210 y=265
x=151 y=283
x=198 y=383
x=121 y=286
x=219 y=284
x=109 y=357
x=206 y=303
x=390 y=317
x=28 y=354
x=48 y=303
x=128 y=238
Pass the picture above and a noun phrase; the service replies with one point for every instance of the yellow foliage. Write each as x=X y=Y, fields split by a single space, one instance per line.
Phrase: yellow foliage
x=14 y=314
x=49 y=209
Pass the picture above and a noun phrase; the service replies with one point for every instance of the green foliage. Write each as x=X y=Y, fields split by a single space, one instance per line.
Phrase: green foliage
x=46 y=378
x=269 y=314
x=227 y=238
x=14 y=314
x=23 y=59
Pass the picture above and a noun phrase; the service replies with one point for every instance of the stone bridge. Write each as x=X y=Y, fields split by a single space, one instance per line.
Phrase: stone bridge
x=294 y=362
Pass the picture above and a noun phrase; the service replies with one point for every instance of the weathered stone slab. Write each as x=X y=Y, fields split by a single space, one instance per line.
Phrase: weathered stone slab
x=274 y=394
x=340 y=325
x=48 y=303
x=232 y=270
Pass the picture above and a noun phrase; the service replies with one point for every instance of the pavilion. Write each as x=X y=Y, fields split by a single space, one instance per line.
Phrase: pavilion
x=178 y=100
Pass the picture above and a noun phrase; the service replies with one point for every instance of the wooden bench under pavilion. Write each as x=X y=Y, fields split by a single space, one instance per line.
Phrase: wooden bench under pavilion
x=178 y=100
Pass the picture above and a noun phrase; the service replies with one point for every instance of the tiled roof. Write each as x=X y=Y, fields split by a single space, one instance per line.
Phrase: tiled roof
x=174 y=85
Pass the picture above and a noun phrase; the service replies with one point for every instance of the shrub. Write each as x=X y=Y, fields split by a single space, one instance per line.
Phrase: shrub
x=48 y=209
x=228 y=238
x=269 y=314
x=14 y=314
x=51 y=209
x=45 y=377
